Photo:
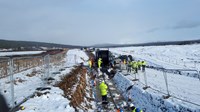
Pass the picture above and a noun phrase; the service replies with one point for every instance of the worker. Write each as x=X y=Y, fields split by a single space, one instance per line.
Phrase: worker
x=135 y=66
x=139 y=64
x=134 y=109
x=124 y=61
x=103 y=89
x=90 y=63
x=129 y=67
x=119 y=110
x=93 y=63
x=144 y=63
x=99 y=62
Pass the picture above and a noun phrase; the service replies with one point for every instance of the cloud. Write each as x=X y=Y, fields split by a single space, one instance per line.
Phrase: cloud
x=153 y=30
x=177 y=26
x=186 y=25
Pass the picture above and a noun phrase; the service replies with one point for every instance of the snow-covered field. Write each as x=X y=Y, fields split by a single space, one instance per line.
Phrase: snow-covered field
x=173 y=56
x=25 y=86
x=184 y=90
x=20 y=53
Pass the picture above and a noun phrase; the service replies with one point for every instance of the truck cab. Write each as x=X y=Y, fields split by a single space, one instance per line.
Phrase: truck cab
x=104 y=55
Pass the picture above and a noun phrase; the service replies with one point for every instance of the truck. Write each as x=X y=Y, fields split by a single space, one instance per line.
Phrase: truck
x=104 y=55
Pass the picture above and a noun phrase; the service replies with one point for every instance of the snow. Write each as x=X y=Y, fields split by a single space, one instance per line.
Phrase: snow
x=76 y=56
x=185 y=88
x=54 y=100
x=177 y=57
x=20 y=53
x=173 y=56
x=152 y=101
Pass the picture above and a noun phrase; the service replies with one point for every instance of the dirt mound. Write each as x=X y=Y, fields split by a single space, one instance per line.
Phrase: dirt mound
x=75 y=87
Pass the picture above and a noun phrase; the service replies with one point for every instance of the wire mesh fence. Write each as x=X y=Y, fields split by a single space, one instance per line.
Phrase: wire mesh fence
x=32 y=71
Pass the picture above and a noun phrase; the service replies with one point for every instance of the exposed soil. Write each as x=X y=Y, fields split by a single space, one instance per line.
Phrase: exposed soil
x=75 y=88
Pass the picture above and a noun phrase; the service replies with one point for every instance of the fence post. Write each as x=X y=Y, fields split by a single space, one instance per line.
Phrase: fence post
x=195 y=64
x=47 y=61
x=75 y=57
x=145 y=79
x=44 y=71
x=11 y=81
x=135 y=77
x=166 y=82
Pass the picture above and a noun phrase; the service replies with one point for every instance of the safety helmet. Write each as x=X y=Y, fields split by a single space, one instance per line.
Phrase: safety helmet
x=131 y=105
x=22 y=107
x=101 y=81
x=124 y=103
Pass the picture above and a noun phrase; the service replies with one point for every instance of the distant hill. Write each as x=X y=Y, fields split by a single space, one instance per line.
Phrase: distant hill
x=104 y=45
x=185 y=42
x=7 y=44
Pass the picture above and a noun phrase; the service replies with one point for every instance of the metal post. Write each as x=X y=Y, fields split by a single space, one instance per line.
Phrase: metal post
x=195 y=64
x=199 y=75
x=47 y=61
x=75 y=59
x=44 y=72
x=135 y=77
x=66 y=60
x=166 y=82
x=11 y=82
x=48 y=65
x=145 y=79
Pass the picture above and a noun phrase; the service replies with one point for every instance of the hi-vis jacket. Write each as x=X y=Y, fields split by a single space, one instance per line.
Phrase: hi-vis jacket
x=99 y=62
x=144 y=63
x=90 y=63
x=139 y=63
x=137 y=110
x=134 y=65
x=103 y=89
x=129 y=64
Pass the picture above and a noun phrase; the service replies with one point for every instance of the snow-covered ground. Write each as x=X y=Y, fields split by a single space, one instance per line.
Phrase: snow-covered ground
x=186 y=89
x=152 y=101
x=20 y=53
x=26 y=85
x=172 y=56
x=184 y=58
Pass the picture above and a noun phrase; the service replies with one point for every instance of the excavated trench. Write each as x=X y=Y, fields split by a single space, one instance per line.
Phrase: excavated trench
x=77 y=89
x=82 y=94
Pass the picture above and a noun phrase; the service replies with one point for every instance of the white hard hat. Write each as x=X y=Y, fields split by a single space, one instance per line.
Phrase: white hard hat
x=131 y=105
x=101 y=81
x=124 y=103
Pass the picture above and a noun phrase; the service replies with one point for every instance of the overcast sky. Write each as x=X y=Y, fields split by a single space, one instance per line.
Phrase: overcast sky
x=89 y=22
